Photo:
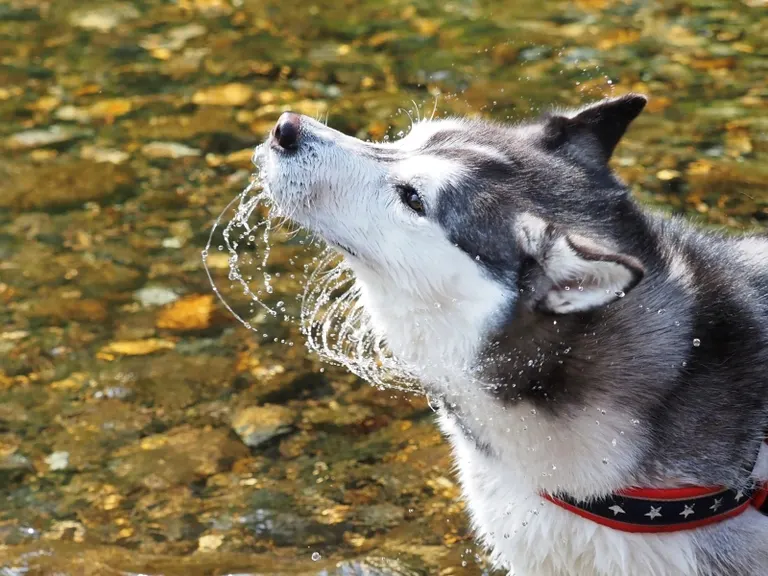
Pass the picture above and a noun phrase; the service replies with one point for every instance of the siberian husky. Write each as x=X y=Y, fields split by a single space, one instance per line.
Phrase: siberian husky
x=600 y=371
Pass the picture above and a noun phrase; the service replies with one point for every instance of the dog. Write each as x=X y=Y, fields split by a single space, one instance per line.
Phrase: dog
x=600 y=371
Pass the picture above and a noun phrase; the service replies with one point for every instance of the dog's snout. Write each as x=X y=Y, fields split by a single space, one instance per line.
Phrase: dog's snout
x=286 y=131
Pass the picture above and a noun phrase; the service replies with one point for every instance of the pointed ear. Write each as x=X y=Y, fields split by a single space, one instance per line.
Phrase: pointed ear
x=579 y=273
x=606 y=121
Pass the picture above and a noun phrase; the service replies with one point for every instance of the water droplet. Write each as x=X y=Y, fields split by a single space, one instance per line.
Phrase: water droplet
x=696 y=342
x=316 y=556
x=614 y=442
x=605 y=460
x=620 y=294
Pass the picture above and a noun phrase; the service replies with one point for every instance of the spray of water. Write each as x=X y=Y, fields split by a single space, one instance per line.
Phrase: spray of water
x=334 y=324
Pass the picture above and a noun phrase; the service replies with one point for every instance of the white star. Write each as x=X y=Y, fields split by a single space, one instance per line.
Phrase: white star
x=616 y=509
x=688 y=510
x=716 y=505
x=654 y=513
x=739 y=495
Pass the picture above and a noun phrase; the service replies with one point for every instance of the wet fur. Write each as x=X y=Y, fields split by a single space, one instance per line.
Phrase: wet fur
x=534 y=396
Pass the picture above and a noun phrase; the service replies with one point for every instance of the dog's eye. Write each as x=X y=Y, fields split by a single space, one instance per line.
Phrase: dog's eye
x=411 y=198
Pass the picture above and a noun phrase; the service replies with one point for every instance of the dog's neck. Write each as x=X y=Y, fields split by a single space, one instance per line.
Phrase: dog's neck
x=438 y=334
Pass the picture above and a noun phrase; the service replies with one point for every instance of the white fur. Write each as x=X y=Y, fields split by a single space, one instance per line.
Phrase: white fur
x=753 y=251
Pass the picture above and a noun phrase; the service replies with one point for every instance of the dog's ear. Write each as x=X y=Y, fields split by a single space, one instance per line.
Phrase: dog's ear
x=605 y=121
x=578 y=274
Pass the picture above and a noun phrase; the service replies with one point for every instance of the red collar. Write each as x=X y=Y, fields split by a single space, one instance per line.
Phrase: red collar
x=657 y=510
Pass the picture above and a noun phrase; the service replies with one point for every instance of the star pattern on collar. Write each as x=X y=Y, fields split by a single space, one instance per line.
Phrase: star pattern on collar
x=654 y=513
x=687 y=510
x=616 y=509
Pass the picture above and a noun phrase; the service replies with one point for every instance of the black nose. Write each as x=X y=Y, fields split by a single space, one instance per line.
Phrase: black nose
x=286 y=131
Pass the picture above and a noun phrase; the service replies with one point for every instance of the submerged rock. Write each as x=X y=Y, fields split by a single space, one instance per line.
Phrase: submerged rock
x=55 y=186
x=179 y=456
x=258 y=424
x=172 y=150
x=193 y=312
x=235 y=94
x=58 y=460
x=46 y=137
x=155 y=296
x=104 y=18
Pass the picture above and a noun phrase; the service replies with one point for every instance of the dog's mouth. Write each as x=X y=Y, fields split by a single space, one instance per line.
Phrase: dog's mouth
x=346 y=250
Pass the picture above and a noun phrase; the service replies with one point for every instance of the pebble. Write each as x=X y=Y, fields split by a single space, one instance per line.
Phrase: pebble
x=110 y=155
x=258 y=424
x=172 y=150
x=14 y=462
x=138 y=347
x=51 y=136
x=209 y=542
x=193 y=312
x=57 y=460
x=234 y=94
x=104 y=18
x=155 y=296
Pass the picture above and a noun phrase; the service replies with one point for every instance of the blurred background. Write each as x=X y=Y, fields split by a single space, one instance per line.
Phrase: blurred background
x=143 y=430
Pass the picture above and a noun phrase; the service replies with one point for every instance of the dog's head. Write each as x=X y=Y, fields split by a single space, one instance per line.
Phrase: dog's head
x=461 y=221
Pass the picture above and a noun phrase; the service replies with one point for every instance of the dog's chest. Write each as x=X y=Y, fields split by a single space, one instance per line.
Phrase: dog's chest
x=531 y=537
x=585 y=452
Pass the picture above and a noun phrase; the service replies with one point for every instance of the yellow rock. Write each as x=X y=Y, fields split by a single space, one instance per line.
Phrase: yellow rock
x=218 y=260
x=190 y=313
x=74 y=381
x=234 y=94
x=668 y=175
x=240 y=158
x=110 y=108
x=112 y=501
x=209 y=542
x=138 y=347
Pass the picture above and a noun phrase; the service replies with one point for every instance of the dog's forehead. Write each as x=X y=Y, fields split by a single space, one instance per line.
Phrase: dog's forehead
x=422 y=133
x=451 y=148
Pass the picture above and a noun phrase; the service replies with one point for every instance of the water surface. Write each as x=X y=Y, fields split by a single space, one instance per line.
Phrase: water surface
x=142 y=428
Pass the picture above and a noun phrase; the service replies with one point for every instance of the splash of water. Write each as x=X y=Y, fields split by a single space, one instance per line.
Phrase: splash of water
x=239 y=229
x=334 y=324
